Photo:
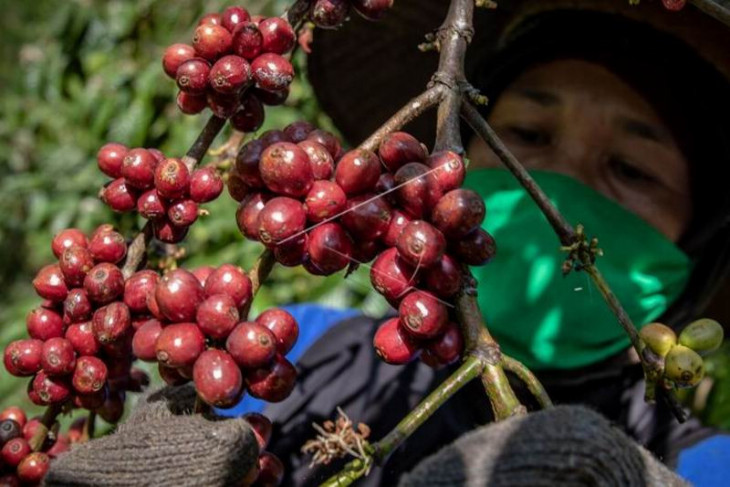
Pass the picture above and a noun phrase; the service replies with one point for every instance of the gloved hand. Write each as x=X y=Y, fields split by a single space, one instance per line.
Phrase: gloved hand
x=162 y=443
x=565 y=446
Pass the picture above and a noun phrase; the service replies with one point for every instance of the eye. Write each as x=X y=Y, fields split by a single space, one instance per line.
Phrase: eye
x=529 y=136
x=629 y=172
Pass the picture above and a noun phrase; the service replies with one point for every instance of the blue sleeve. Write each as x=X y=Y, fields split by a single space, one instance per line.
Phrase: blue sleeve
x=314 y=320
x=707 y=463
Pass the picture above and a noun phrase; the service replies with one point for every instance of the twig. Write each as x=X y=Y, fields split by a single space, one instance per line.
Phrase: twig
x=713 y=9
x=201 y=145
x=297 y=12
x=529 y=379
x=49 y=417
x=89 y=427
x=137 y=251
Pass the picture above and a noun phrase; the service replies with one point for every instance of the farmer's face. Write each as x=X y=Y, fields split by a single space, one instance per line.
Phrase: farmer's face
x=579 y=119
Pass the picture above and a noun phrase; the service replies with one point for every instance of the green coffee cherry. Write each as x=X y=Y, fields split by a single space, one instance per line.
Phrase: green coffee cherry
x=703 y=336
x=659 y=338
x=684 y=367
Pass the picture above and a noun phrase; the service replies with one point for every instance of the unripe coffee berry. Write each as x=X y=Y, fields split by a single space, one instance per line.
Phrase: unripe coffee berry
x=684 y=367
x=659 y=337
x=704 y=336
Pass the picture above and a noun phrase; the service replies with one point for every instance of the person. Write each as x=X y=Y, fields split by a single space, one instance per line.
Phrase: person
x=619 y=113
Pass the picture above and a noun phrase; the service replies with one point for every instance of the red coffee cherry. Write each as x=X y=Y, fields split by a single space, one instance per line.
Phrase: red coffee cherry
x=248 y=213
x=329 y=248
x=326 y=139
x=458 y=213
x=247 y=163
x=443 y=278
x=51 y=390
x=371 y=9
x=274 y=136
x=212 y=41
x=280 y=219
x=364 y=251
x=293 y=252
x=284 y=327
x=111 y=322
x=298 y=131
x=232 y=16
x=113 y=408
x=31 y=428
x=286 y=170
x=68 y=238
x=76 y=307
x=33 y=468
x=247 y=40
x=251 y=345
x=138 y=168
x=237 y=189
x=272 y=72
x=385 y=186
x=205 y=185
x=171 y=376
x=274 y=382
x=329 y=14
x=110 y=158
x=230 y=280
x=191 y=103
x=159 y=156
x=449 y=171
x=90 y=375
x=229 y=74
x=192 y=76
x=107 y=246
x=211 y=19
x=358 y=172
x=173 y=57
x=14 y=451
x=104 y=283
x=137 y=288
x=324 y=200
x=393 y=344
x=250 y=115
x=423 y=315
x=398 y=149
x=202 y=273
x=183 y=213
x=261 y=426
x=58 y=357
x=119 y=196
x=271 y=470
x=166 y=232
x=367 y=217
x=81 y=336
x=179 y=345
x=14 y=413
x=417 y=192
x=420 y=244
x=43 y=324
x=323 y=165
x=23 y=357
x=217 y=378
x=476 y=248
x=391 y=276
x=145 y=338
x=223 y=105
x=277 y=35
x=217 y=316
x=50 y=284
x=398 y=222
x=172 y=178
x=178 y=295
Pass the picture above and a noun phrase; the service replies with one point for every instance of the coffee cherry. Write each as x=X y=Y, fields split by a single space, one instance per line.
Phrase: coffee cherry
x=104 y=283
x=23 y=357
x=393 y=344
x=113 y=408
x=400 y=148
x=271 y=98
x=367 y=217
x=110 y=158
x=298 y=131
x=14 y=451
x=386 y=186
x=217 y=316
x=51 y=390
x=50 y=284
x=248 y=213
x=31 y=428
x=251 y=345
x=179 y=345
x=674 y=5
x=420 y=244
x=137 y=288
x=230 y=280
x=371 y=9
x=325 y=200
x=250 y=115
x=173 y=57
x=274 y=136
x=151 y=206
x=659 y=338
x=171 y=376
x=329 y=14
x=237 y=189
x=138 y=168
x=261 y=426
x=211 y=19
x=284 y=327
x=33 y=468
x=172 y=178
x=205 y=185
x=366 y=250
x=272 y=72
x=212 y=41
x=119 y=196
x=166 y=232
x=223 y=105
x=183 y=213
x=327 y=140
x=108 y=246
x=178 y=295
x=323 y=165
x=157 y=153
x=43 y=324
x=68 y=238
x=247 y=40
x=90 y=375
x=247 y=163
x=391 y=276
x=274 y=382
x=82 y=338
x=16 y=414
x=398 y=223
x=443 y=278
x=232 y=16
x=684 y=367
x=145 y=338
x=58 y=357
x=217 y=378
x=449 y=170
x=192 y=76
x=329 y=248
x=280 y=219
x=191 y=103
x=476 y=248
x=11 y=480
x=229 y=74
x=278 y=35
x=293 y=252
x=9 y=429
x=111 y=322
x=286 y=170
x=423 y=315
x=417 y=192
x=271 y=470
x=704 y=336
x=458 y=213
x=358 y=172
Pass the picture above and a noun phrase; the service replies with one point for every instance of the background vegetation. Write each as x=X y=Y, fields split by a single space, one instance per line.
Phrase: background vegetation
x=78 y=73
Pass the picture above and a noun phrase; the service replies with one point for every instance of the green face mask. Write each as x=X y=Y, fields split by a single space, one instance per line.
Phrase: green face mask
x=548 y=321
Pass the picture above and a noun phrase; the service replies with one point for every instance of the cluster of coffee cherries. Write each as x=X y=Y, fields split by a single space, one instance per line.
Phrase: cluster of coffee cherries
x=199 y=333
x=79 y=346
x=269 y=470
x=19 y=465
x=330 y=14
x=234 y=66
x=162 y=190
x=683 y=363
x=318 y=207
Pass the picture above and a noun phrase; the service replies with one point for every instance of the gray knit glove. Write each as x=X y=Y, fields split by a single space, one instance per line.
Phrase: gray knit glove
x=565 y=446
x=162 y=444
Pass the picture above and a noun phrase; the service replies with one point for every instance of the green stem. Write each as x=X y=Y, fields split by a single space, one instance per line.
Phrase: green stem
x=529 y=379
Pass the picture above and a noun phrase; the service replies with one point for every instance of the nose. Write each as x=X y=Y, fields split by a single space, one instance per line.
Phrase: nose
x=575 y=154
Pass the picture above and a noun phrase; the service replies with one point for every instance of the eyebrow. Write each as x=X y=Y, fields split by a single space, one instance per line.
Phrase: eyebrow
x=641 y=129
x=544 y=98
